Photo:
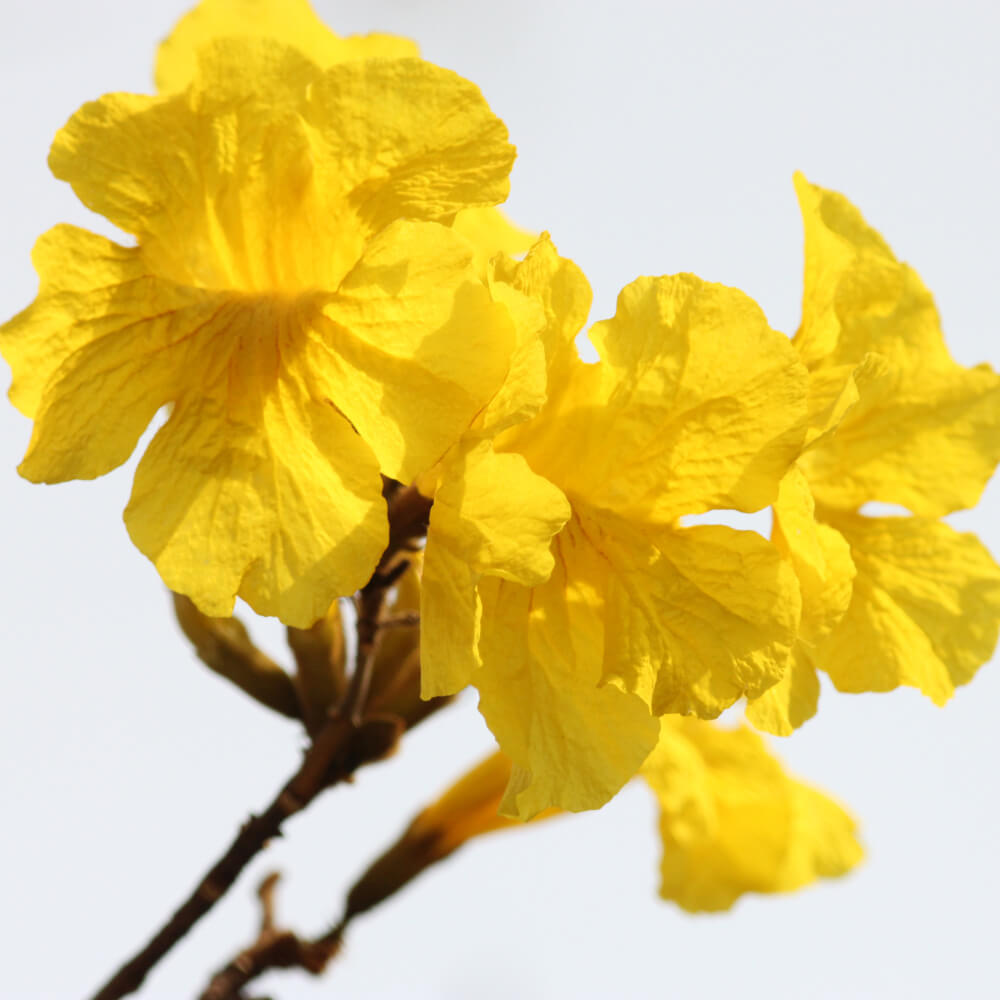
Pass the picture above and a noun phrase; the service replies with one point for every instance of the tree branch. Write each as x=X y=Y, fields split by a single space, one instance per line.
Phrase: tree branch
x=339 y=750
x=344 y=743
x=273 y=949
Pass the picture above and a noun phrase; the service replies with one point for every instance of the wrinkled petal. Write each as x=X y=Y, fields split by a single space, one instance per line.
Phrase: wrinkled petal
x=926 y=433
x=276 y=500
x=929 y=445
x=733 y=822
x=411 y=346
x=558 y=284
x=821 y=559
x=834 y=391
x=696 y=404
x=102 y=348
x=492 y=233
x=925 y=609
x=549 y=298
x=785 y=706
x=225 y=190
x=574 y=743
x=818 y=553
x=292 y=22
x=491 y=516
x=697 y=618
x=858 y=297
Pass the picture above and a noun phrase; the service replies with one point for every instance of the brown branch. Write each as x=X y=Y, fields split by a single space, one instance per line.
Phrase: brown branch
x=345 y=742
x=339 y=749
x=419 y=848
x=273 y=949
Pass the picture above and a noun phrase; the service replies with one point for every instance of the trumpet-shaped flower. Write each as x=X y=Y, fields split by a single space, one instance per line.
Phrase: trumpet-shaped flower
x=887 y=601
x=294 y=299
x=291 y=22
x=731 y=822
x=294 y=23
x=696 y=404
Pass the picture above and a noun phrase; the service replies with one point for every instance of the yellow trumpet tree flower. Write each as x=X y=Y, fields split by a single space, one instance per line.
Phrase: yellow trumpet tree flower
x=731 y=822
x=315 y=288
x=295 y=23
x=295 y=297
x=887 y=601
x=292 y=22
x=696 y=405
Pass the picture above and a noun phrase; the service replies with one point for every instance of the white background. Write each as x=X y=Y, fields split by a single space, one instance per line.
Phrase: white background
x=653 y=138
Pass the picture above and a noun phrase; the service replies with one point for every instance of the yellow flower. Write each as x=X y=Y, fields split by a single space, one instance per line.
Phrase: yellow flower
x=697 y=404
x=492 y=515
x=293 y=298
x=731 y=822
x=886 y=600
x=291 y=22
x=294 y=23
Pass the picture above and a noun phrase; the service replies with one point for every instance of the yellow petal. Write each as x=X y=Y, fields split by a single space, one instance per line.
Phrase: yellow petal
x=858 y=297
x=929 y=445
x=696 y=404
x=733 y=822
x=86 y=282
x=925 y=610
x=412 y=345
x=781 y=709
x=491 y=516
x=549 y=298
x=276 y=500
x=834 y=391
x=467 y=809
x=110 y=355
x=492 y=233
x=927 y=434
x=292 y=22
x=819 y=555
x=574 y=743
x=558 y=284
x=697 y=618
x=224 y=189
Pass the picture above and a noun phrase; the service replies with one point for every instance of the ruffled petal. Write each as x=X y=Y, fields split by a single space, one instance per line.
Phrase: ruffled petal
x=491 y=516
x=104 y=346
x=411 y=346
x=88 y=286
x=858 y=297
x=492 y=233
x=274 y=499
x=818 y=553
x=292 y=22
x=926 y=432
x=696 y=404
x=574 y=743
x=733 y=822
x=549 y=298
x=696 y=618
x=785 y=706
x=925 y=609
x=928 y=444
x=223 y=184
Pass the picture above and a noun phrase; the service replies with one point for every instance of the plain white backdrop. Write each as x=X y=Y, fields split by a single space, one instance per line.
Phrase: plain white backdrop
x=653 y=138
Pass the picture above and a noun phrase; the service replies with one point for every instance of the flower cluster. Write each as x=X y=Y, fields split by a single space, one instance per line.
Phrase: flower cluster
x=323 y=299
